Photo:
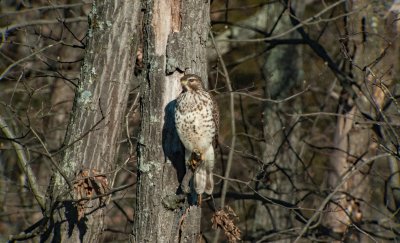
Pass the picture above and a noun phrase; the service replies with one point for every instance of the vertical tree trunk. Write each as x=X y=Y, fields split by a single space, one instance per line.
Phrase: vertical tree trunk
x=94 y=129
x=282 y=71
x=175 y=34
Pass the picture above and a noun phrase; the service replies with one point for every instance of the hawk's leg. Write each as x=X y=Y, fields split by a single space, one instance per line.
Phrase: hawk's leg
x=192 y=160
x=199 y=199
x=188 y=174
x=197 y=163
x=196 y=169
x=196 y=159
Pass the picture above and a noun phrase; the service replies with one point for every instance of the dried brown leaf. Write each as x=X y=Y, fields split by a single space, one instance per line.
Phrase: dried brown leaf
x=87 y=184
x=224 y=219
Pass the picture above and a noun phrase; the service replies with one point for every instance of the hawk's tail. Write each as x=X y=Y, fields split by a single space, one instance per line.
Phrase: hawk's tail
x=209 y=183
x=200 y=180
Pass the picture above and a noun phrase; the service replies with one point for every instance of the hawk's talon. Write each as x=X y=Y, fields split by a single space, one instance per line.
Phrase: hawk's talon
x=199 y=200
x=197 y=155
x=196 y=159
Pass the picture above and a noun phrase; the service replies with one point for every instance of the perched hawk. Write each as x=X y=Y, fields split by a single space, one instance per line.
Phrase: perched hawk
x=197 y=120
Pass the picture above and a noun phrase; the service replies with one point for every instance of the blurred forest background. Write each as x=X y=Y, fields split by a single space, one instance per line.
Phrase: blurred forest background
x=312 y=149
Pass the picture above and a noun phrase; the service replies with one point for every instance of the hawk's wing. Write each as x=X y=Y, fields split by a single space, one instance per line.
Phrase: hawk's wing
x=216 y=120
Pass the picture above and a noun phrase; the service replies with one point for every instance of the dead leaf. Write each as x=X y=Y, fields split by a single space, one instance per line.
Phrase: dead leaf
x=224 y=219
x=87 y=184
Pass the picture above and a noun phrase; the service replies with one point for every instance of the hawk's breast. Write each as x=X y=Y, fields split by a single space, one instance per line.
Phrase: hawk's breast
x=194 y=119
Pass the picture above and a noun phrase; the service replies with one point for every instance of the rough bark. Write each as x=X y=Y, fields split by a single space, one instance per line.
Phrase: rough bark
x=92 y=140
x=175 y=34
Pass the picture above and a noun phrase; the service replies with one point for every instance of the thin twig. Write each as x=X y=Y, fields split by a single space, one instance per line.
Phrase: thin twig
x=112 y=191
x=344 y=179
x=272 y=100
x=310 y=20
x=23 y=163
x=42 y=22
x=26 y=58
x=43 y=8
x=233 y=127
x=53 y=162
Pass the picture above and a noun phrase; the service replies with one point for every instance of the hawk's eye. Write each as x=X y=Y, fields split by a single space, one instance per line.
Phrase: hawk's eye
x=191 y=80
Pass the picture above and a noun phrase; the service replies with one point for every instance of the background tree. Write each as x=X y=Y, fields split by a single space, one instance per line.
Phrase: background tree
x=373 y=70
x=90 y=151
x=96 y=123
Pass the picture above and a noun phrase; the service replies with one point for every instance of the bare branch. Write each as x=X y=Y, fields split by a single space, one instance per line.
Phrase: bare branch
x=299 y=25
x=233 y=126
x=23 y=163
x=272 y=100
x=350 y=172
x=50 y=7
x=41 y=22
x=53 y=162
x=26 y=58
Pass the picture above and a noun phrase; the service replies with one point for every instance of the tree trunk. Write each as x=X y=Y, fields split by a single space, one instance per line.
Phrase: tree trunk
x=175 y=34
x=92 y=140
x=282 y=72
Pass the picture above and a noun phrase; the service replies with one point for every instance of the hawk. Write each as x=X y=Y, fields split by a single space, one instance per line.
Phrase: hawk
x=197 y=120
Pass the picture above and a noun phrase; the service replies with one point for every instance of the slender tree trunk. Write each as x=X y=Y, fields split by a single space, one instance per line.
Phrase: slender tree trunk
x=282 y=71
x=175 y=34
x=94 y=130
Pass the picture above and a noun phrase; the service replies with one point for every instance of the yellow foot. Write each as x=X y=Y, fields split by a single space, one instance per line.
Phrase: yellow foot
x=199 y=200
x=197 y=155
x=195 y=159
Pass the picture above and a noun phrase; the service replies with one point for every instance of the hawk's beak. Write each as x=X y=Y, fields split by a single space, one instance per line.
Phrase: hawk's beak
x=184 y=82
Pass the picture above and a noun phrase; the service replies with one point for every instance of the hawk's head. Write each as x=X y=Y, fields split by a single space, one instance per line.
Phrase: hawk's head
x=191 y=82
